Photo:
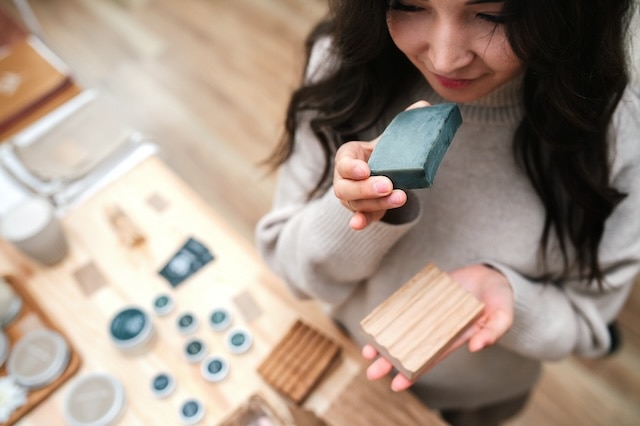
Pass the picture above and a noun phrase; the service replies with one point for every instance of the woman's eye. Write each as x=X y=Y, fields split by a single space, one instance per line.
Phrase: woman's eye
x=403 y=7
x=494 y=19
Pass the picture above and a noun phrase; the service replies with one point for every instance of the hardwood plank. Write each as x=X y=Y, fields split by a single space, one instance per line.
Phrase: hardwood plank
x=382 y=408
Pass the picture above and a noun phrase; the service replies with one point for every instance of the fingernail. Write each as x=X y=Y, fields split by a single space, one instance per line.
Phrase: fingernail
x=396 y=198
x=382 y=186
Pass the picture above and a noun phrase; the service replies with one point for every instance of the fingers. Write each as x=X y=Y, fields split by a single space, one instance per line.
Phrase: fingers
x=361 y=200
x=381 y=367
x=369 y=352
x=378 y=369
x=400 y=383
x=352 y=177
x=362 y=218
x=352 y=168
x=351 y=159
x=348 y=189
x=358 y=221
x=369 y=197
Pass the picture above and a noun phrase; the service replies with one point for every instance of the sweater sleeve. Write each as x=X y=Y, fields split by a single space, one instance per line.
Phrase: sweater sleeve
x=309 y=242
x=551 y=322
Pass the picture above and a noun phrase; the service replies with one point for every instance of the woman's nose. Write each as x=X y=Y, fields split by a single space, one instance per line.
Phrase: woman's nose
x=448 y=50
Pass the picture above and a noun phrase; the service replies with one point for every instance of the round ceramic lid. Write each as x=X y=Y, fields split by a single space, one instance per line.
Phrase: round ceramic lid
x=220 y=319
x=96 y=399
x=130 y=327
x=38 y=358
x=195 y=350
x=163 y=304
x=162 y=384
x=215 y=368
x=239 y=341
x=187 y=323
x=191 y=411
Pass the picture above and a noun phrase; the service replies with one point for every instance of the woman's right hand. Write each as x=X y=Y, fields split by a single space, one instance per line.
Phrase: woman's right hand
x=368 y=197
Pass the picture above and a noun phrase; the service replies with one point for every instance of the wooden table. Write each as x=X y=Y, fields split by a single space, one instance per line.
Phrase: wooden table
x=168 y=212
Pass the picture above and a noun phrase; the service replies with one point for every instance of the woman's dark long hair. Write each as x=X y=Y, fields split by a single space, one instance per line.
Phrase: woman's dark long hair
x=575 y=74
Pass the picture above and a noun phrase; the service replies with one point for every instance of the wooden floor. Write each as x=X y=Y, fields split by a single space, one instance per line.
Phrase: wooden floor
x=208 y=81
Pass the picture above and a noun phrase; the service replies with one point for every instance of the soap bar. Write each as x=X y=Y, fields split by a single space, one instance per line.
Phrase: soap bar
x=411 y=148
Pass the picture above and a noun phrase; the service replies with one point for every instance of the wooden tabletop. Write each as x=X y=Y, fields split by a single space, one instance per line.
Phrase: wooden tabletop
x=166 y=213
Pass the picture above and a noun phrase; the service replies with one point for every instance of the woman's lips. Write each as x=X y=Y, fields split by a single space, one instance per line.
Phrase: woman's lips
x=451 y=83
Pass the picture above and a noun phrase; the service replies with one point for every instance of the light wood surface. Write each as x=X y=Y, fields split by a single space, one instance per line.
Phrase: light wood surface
x=348 y=410
x=130 y=276
x=167 y=63
x=128 y=232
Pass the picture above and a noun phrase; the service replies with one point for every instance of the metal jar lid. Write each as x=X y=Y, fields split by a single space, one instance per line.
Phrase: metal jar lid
x=214 y=368
x=191 y=411
x=162 y=385
x=187 y=323
x=95 y=399
x=220 y=319
x=131 y=328
x=239 y=340
x=38 y=358
x=195 y=350
x=163 y=304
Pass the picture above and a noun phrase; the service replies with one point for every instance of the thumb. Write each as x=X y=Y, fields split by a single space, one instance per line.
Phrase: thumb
x=419 y=104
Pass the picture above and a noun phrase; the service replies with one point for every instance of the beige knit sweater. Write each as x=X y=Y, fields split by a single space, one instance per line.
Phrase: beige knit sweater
x=481 y=208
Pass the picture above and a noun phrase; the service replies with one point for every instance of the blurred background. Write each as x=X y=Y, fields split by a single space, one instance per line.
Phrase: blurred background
x=209 y=80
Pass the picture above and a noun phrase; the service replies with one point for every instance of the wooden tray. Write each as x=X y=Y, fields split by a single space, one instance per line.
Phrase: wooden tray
x=30 y=318
x=298 y=361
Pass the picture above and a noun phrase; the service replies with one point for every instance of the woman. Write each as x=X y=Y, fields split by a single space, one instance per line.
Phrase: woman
x=534 y=207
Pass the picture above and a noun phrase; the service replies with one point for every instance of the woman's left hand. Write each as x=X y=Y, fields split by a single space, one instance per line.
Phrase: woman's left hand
x=487 y=285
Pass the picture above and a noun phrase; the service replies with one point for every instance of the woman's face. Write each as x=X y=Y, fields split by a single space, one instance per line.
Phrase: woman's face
x=459 y=46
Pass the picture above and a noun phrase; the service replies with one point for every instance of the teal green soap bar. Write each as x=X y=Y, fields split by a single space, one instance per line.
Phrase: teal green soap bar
x=411 y=148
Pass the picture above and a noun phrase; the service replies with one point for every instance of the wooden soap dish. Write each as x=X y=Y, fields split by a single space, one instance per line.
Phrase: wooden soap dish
x=441 y=307
x=30 y=318
x=298 y=362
